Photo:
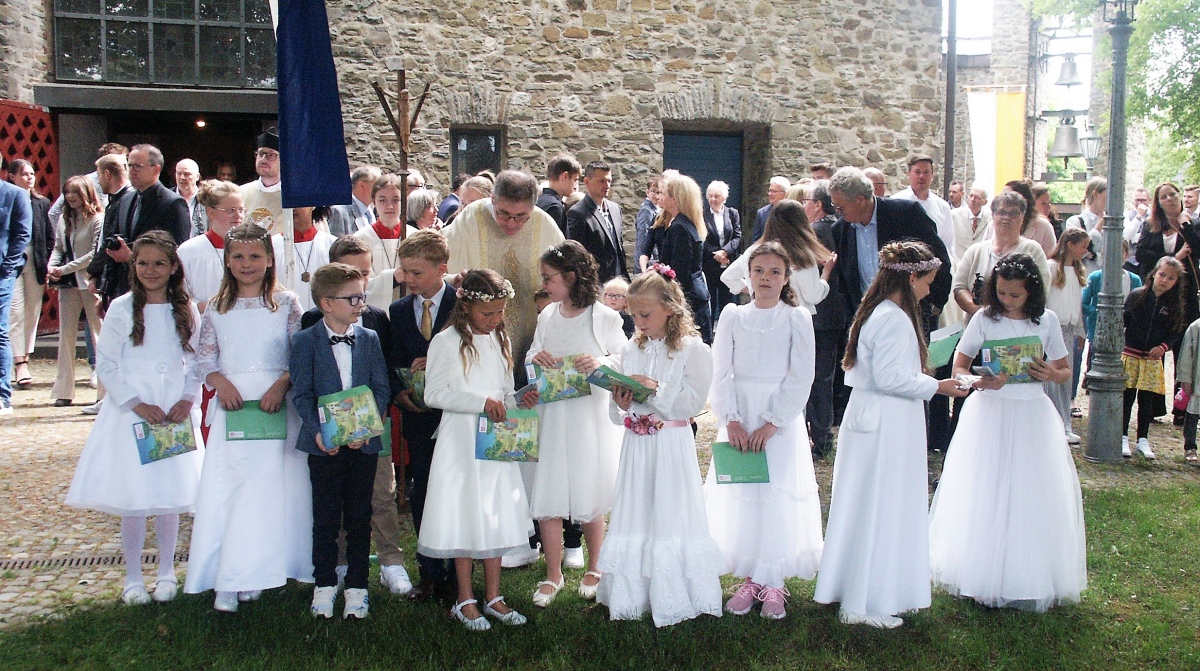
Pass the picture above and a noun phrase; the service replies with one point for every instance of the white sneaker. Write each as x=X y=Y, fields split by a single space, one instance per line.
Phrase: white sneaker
x=226 y=602
x=94 y=382
x=341 y=574
x=93 y=409
x=396 y=579
x=521 y=557
x=1125 y=447
x=253 y=595
x=877 y=621
x=1073 y=438
x=357 y=604
x=1144 y=448
x=573 y=558
x=322 y=602
x=5 y=409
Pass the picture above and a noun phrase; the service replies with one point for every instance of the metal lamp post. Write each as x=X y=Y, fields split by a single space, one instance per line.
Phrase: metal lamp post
x=1089 y=146
x=1106 y=379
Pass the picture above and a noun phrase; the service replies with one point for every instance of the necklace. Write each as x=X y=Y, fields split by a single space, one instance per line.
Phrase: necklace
x=391 y=259
x=305 y=276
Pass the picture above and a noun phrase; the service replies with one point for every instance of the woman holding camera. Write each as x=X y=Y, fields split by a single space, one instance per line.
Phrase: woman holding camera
x=73 y=249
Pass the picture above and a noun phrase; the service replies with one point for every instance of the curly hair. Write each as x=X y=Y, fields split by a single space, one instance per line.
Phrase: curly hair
x=888 y=282
x=656 y=287
x=772 y=248
x=475 y=282
x=572 y=257
x=177 y=295
x=225 y=298
x=1016 y=267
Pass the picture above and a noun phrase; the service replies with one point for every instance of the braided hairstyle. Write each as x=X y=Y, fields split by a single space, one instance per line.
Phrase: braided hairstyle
x=177 y=295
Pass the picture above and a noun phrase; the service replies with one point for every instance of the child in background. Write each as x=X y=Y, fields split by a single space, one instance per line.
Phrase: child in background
x=253 y=527
x=383 y=237
x=146 y=359
x=1006 y=523
x=578 y=445
x=329 y=357
x=1064 y=297
x=615 y=296
x=475 y=508
x=658 y=555
x=1187 y=373
x=1154 y=321
x=763 y=361
x=541 y=300
x=1091 y=303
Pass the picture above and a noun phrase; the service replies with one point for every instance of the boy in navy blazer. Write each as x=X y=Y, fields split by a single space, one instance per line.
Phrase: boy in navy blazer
x=328 y=357
x=415 y=319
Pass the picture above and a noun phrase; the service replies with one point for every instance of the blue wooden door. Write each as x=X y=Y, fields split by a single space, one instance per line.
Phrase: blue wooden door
x=707 y=157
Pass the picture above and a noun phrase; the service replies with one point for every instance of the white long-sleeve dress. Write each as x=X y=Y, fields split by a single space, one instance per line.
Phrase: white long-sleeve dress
x=763 y=366
x=658 y=555
x=579 y=446
x=474 y=507
x=253 y=527
x=1006 y=524
x=110 y=477
x=806 y=282
x=876 y=558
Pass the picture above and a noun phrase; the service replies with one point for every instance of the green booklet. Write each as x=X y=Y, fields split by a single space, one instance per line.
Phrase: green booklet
x=732 y=466
x=607 y=378
x=514 y=439
x=414 y=380
x=349 y=416
x=386 y=438
x=163 y=441
x=252 y=423
x=559 y=383
x=941 y=345
x=1012 y=357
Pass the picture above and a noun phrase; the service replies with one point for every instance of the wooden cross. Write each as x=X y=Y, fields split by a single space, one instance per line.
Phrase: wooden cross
x=403 y=133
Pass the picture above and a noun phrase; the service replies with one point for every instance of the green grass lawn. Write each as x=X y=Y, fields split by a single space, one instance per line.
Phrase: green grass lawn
x=1140 y=611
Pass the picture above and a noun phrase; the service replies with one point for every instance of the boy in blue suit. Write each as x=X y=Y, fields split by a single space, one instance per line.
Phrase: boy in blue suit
x=332 y=356
x=415 y=319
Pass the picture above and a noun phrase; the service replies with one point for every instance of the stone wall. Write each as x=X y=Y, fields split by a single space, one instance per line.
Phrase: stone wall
x=854 y=84
x=24 y=47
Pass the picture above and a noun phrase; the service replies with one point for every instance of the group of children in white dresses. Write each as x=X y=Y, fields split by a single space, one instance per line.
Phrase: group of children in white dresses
x=1006 y=526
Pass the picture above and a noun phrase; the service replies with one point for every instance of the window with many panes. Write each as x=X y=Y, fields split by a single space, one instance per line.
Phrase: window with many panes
x=217 y=43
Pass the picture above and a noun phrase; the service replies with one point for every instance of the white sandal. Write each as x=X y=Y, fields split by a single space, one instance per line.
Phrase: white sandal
x=589 y=591
x=165 y=589
x=542 y=599
x=135 y=595
x=512 y=617
x=472 y=624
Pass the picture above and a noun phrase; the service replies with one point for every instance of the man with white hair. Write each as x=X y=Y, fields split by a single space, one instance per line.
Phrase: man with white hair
x=347 y=219
x=878 y=181
x=775 y=193
x=972 y=221
x=187 y=179
x=721 y=245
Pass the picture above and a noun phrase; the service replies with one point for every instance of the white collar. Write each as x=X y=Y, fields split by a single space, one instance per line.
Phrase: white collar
x=268 y=189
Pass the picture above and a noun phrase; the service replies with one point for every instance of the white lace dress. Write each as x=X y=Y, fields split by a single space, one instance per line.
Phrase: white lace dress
x=253 y=527
x=110 y=477
x=763 y=363
x=658 y=555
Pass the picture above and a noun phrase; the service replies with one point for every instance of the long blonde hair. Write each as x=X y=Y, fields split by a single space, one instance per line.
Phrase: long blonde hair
x=686 y=193
x=227 y=295
x=888 y=282
x=475 y=283
x=654 y=286
x=1069 y=236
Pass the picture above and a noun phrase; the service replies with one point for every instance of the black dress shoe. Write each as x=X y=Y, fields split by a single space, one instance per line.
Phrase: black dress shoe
x=62 y=402
x=423 y=592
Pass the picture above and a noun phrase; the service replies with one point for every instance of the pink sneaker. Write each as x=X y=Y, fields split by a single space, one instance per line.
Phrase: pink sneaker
x=773 y=600
x=743 y=597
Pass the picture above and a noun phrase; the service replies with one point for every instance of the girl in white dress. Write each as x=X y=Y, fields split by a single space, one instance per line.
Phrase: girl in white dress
x=145 y=356
x=812 y=264
x=474 y=508
x=1006 y=523
x=1064 y=297
x=253 y=528
x=578 y=445
x=876 y=556
x=763 y=360
x=658 y=555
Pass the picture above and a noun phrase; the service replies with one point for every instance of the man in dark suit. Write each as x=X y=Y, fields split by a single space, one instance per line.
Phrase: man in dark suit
x=722 y=244
x=562 y=172
x=775 y=193
x=149 y=206
x=595 y=222
x=868 y=223
x=829 y=326
x=16 y=229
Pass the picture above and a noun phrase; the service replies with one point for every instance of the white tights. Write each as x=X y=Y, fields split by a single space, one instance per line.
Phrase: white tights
x=133 y=539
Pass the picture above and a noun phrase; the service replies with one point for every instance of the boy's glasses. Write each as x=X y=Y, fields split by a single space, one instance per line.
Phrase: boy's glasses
x=614 y=297
x=354 y=300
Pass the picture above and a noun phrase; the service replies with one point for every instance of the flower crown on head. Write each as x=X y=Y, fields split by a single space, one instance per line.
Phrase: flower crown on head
x=663 y=269
x=918 y=267
x=506 y=291
x=555 y=251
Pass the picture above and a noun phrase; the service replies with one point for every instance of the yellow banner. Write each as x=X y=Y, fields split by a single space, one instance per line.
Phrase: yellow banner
x=1010 y=138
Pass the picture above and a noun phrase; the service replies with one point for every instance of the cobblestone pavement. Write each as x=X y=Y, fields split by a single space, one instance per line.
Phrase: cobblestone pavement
x=40 y=444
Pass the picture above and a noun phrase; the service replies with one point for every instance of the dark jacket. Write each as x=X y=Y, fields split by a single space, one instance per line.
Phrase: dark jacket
x=1149 y=321
x=552 y=204
x=16 y=222
x=760 y=222
x=376 y=320
x=161 y=210
x=585 y=224
x=831 y=312
x=682 y=251
x=409 y=344
x=733 y=239
x=41 y=245
x=644 y=244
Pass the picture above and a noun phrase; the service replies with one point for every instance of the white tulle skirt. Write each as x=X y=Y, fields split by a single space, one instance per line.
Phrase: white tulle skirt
x=658 y=555
x=1006 y=524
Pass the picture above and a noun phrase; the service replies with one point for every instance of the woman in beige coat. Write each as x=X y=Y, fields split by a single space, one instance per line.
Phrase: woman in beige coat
x=73 y=249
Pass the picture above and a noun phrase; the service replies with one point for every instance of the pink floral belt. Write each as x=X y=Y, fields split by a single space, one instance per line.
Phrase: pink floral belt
x=648 y=425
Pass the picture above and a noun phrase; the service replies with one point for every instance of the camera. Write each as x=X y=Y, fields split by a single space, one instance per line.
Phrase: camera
x=114 y=242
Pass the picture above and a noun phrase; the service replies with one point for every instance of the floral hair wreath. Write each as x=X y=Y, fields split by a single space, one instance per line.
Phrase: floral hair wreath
x=918 y=267
x=555 y=251
x=506 y=291
x=663 y=269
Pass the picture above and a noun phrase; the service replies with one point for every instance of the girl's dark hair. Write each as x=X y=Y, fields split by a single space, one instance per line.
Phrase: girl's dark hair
x=888 y=282
x=177 y=295
x=789 y=226
x=1016 y=267
x=572 y=257
x=770 y=247
x=227 y=295
x=1175 y=298
x=1023 y=187
x=483 y=281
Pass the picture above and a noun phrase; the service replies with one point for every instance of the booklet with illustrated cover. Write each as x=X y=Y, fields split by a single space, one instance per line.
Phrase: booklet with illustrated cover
x=607 y=378
x=1011 y=357
x=163 y=441
x=941 y=345
x=732 y=466
x=561 y=383
x=349 y=416
x=415 y=381
x=514 y=439
x=253 y=423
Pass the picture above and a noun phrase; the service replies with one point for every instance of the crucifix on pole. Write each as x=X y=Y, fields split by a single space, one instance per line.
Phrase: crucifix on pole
x=403 y=132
